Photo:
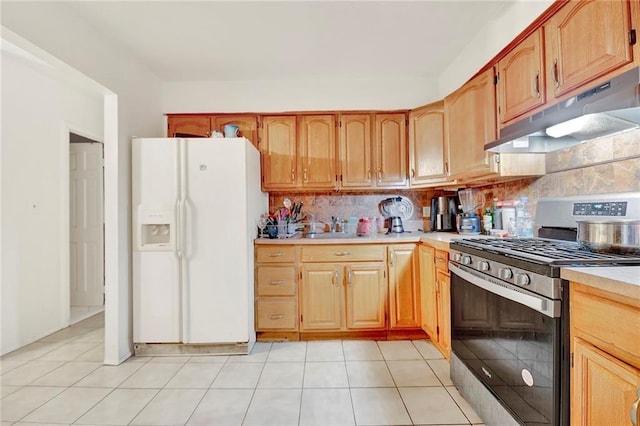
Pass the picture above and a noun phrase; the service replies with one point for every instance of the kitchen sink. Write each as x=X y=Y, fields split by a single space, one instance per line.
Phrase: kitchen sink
x=331 y=235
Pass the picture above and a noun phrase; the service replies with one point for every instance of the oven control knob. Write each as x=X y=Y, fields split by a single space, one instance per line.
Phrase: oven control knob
x=483 y=266
x=522 y=279
x=505 y=273
x=465 y=260
x=457 y=257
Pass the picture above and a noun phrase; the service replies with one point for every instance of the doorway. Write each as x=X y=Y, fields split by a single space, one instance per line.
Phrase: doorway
x=86 y=227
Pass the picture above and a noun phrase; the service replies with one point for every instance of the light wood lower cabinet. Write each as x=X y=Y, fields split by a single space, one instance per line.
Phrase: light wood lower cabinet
x=605 y=351
x=343 y=288
x=404 y=290
x=276 y=289
x=435 y=297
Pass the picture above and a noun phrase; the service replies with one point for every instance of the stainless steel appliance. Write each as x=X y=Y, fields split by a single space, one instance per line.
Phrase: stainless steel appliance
x=470 y=201
x=395 y=210
x=610 y=107
x=510 y=312
x=395 y=225
x=443 y=213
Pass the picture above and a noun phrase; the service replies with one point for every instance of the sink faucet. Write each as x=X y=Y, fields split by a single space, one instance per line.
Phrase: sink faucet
x=335 y=225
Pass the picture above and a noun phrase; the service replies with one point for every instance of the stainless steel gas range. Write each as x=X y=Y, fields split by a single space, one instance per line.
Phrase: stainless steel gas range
x=510 y=315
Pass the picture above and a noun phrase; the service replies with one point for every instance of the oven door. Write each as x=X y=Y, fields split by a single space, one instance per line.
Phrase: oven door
x=510 y=339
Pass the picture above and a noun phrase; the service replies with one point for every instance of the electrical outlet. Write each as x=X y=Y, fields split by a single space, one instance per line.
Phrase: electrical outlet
x=426 y=211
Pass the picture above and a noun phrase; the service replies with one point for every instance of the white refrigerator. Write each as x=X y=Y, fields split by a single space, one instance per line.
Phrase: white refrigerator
x=196 y=205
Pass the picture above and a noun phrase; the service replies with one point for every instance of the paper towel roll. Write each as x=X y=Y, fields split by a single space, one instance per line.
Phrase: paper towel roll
x=509 y=220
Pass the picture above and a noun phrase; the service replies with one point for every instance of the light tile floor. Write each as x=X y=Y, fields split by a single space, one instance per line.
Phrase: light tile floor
x=61 y=380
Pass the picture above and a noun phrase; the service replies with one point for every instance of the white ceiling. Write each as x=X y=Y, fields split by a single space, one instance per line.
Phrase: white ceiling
x=238 y=40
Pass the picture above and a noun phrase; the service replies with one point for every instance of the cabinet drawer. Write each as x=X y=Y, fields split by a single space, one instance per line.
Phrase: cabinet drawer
x=275 y=254
x=342 y=253
x=276 y=281
x=442 y=261
x=277 y=314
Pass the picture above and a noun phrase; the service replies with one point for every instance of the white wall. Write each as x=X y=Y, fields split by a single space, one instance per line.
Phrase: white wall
x=497 y=34
x=296 y=95
x=38 y=110
x=54 y=27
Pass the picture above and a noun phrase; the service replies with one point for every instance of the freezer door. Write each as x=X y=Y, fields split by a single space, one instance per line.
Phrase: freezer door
x=218 y=251
x=155 y=268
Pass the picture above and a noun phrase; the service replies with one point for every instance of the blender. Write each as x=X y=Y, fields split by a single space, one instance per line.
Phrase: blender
x=470 y=201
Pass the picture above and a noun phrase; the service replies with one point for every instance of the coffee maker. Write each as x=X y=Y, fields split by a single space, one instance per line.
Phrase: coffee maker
x=443 y=213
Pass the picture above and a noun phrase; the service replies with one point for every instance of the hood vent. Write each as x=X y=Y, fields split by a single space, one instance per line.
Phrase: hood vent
x=609 y=108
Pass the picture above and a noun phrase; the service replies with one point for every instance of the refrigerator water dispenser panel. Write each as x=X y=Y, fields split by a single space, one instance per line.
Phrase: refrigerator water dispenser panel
x=155 y=230
x=156 y=235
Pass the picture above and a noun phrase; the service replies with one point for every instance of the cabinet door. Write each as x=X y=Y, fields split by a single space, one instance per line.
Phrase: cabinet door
x=355 y=151
x=189 y=126
x=279 y=153
x=444 y=313
x=587 y=40
x=317 y=139
x=391 y=150
x=404 y=292
x=320 y=295
x=247 y=125
x=603 y=388
x=470 y=115
x=365 y=295
x=521 y=79
x=428 y=153
x=428 y=311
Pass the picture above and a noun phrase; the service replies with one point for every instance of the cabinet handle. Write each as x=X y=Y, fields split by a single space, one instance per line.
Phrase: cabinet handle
x=391 y=259
x=304 y=175
x=446 y=167
x=276 y=316
x=342 y=253
x=276 y=254
x=413 y=173
x=555 y=73
x=635 y=412
x=293 y=175
x=369 y=174
x=349 y=277
x=276 y=282
x=379 y=175
x=536 y=85
x=334 y=280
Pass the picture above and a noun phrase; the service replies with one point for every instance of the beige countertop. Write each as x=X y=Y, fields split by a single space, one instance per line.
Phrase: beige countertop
x=624 y=280
x=439 y=240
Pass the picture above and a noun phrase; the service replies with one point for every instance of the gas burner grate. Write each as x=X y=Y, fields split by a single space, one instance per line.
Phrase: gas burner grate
x=553 y=251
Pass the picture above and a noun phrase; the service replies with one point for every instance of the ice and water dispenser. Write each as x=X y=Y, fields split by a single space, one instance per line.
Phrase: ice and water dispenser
x=155 y=230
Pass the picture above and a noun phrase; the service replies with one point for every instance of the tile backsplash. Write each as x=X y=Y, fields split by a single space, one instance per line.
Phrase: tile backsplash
x=610 y=164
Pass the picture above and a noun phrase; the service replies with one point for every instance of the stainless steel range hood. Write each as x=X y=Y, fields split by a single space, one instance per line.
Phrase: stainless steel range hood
x=609 y=108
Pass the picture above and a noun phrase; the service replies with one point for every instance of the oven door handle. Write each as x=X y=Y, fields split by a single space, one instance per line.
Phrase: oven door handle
x=550 y=308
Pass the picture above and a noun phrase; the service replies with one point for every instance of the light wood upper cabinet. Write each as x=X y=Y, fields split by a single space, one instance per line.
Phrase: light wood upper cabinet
x=247 y=126
x=404 y=290
x=279 y=153
x=317 y=149
x=356 y=161
x=365 y=296
x=521 y=79
x=390 y=147
x=188 y=126
x=587 y=40
x=470 y=114
x=428 y=151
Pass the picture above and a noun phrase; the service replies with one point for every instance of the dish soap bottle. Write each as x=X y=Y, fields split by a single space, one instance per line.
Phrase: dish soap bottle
x=487 y=221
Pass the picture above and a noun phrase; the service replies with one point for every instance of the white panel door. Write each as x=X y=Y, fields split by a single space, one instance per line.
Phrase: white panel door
x=86 y=224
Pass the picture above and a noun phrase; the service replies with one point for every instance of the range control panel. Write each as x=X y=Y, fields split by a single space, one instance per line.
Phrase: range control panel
x=613 y=208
